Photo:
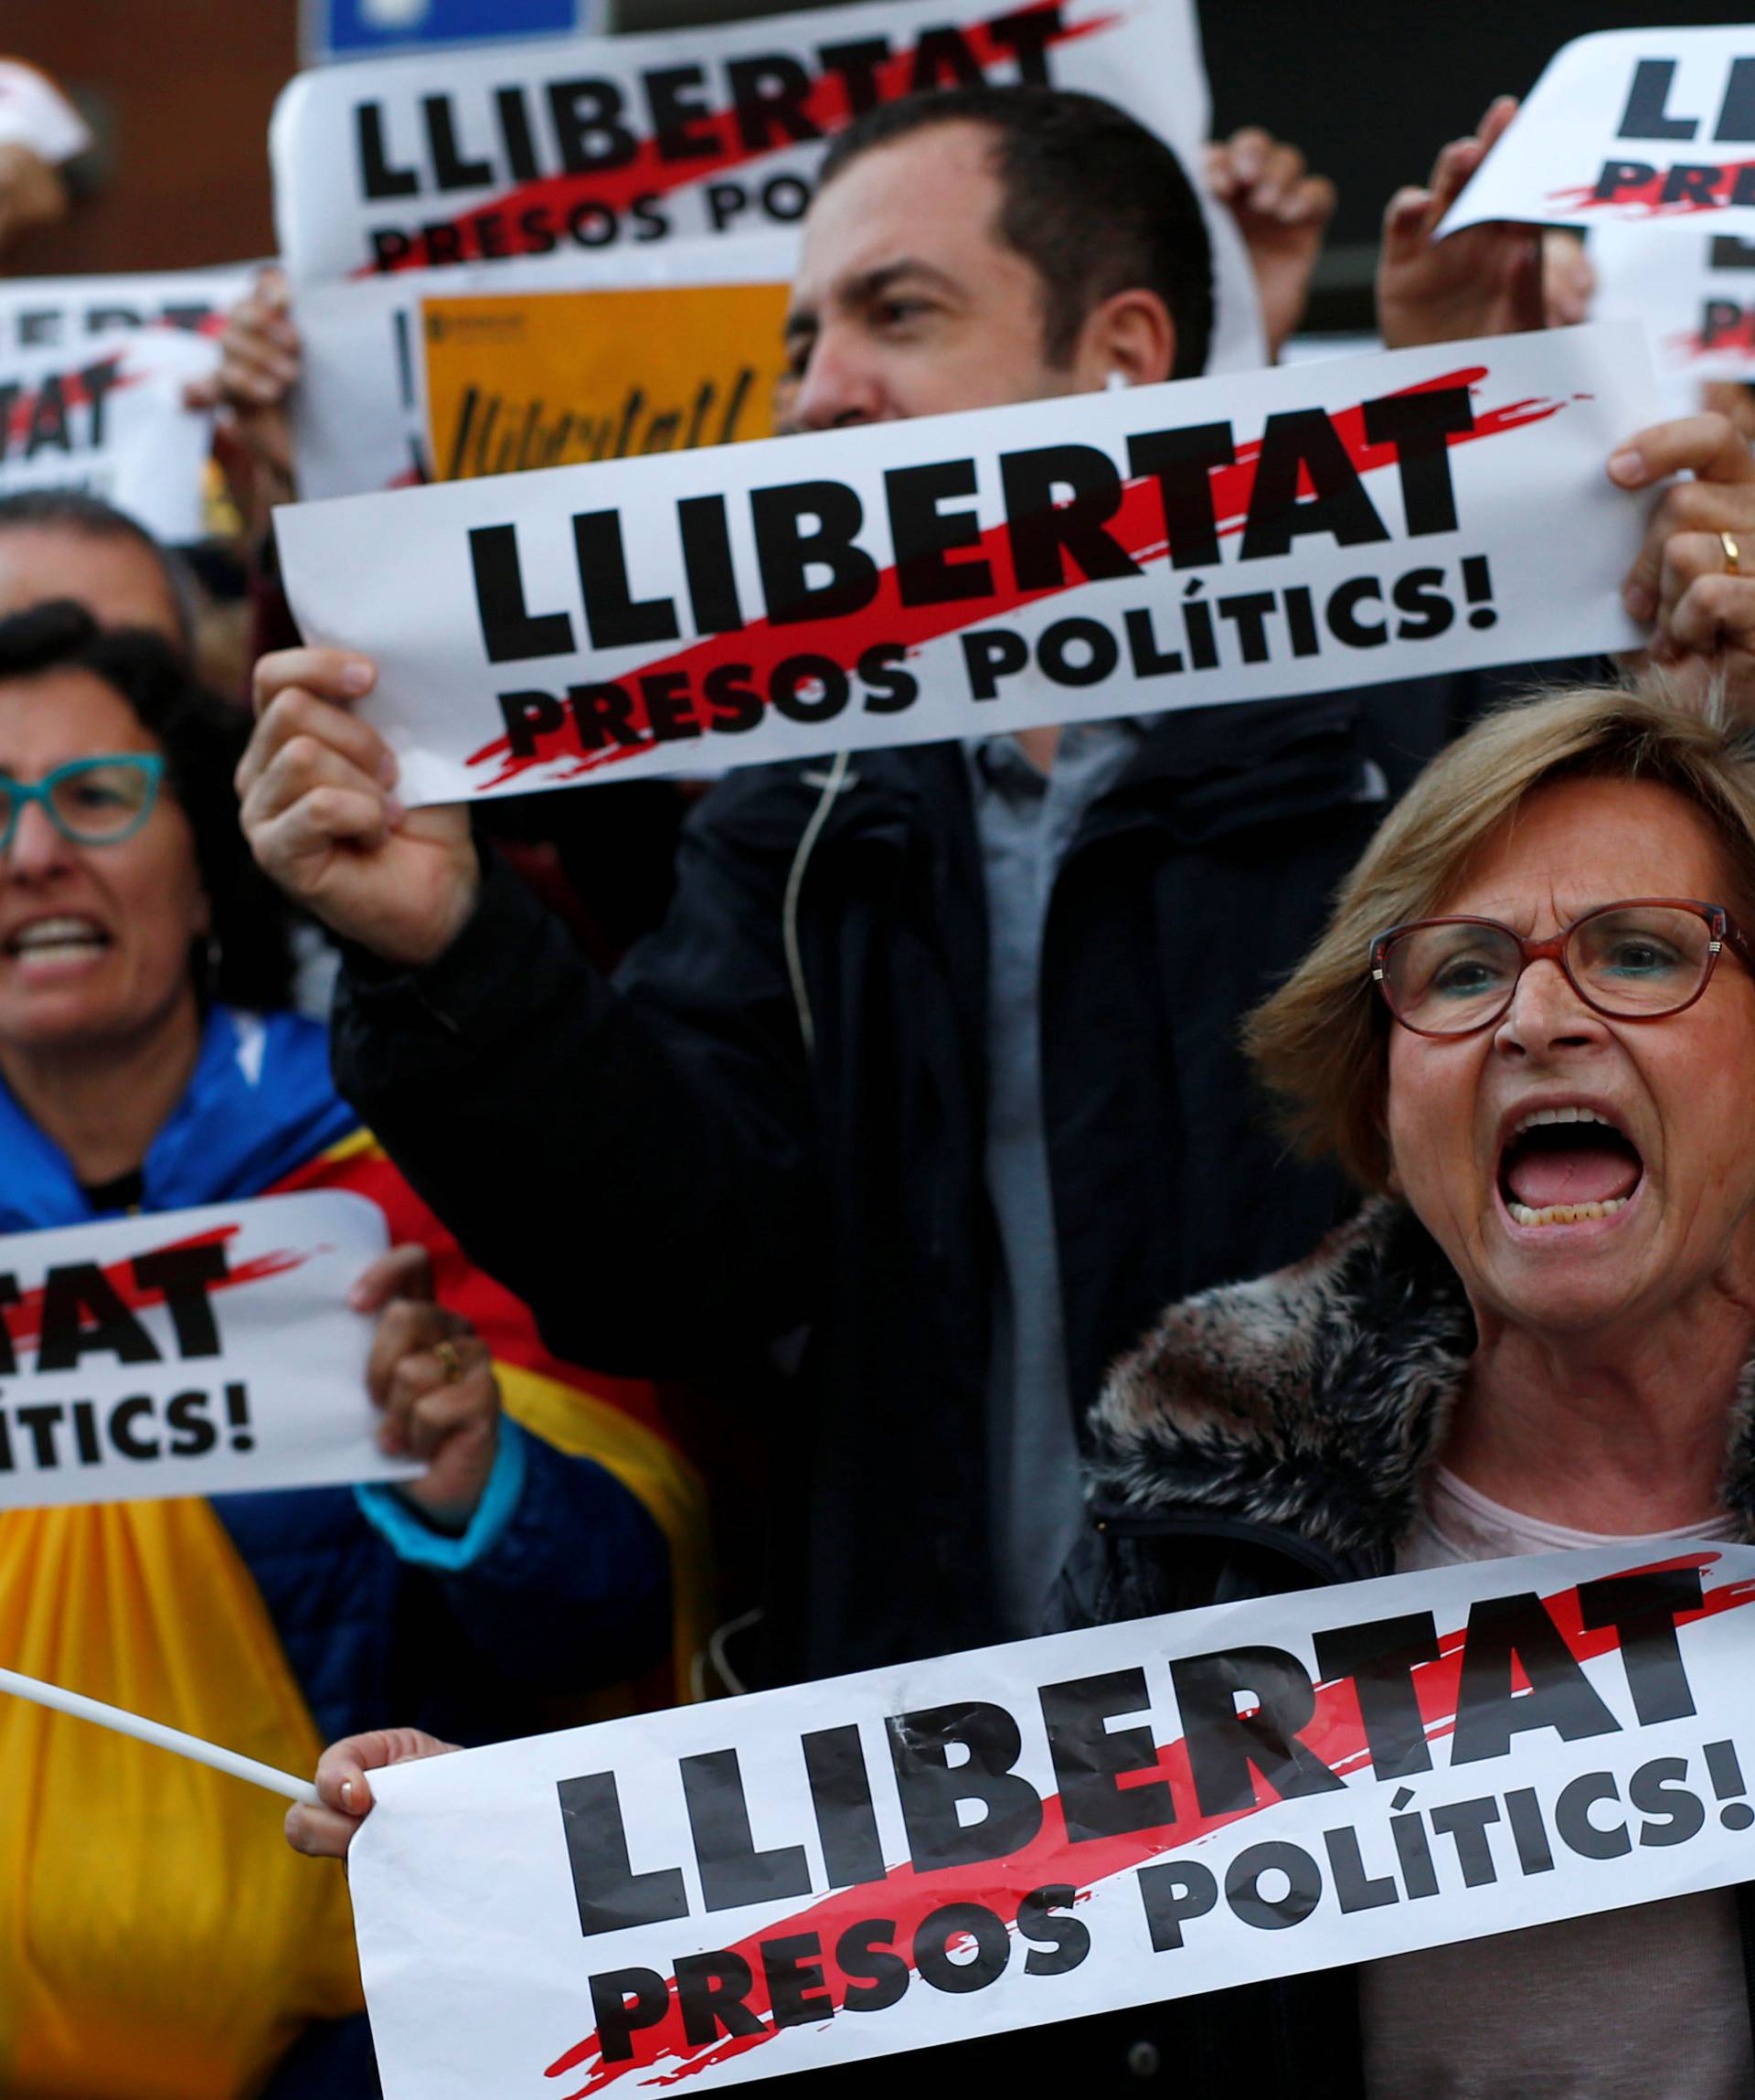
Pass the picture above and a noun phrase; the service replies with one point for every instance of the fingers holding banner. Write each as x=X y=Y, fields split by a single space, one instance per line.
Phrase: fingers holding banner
x=317 y=808
x=344 y=1792
x=1688 y=579
x=1709 y=446
x=442 y=1405
x=333 y=675
x=1489 y=283
x=405 y=1324
x=1680 y=579
x=260 y=363
x=432 y=1377
x=1705 y=612
x=405 y=1272
x=258 y=353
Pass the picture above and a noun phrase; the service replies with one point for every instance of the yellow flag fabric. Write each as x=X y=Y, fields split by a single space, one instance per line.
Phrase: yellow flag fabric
x=122 y=1869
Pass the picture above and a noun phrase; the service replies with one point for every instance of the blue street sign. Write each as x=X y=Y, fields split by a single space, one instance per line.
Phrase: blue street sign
x=365 y=28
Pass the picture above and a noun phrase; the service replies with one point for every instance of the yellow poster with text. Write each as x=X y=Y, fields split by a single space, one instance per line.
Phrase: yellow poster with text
x=550 y=379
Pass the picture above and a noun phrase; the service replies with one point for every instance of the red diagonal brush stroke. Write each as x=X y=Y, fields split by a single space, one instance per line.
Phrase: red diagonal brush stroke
x=648 y=173
x=24 y=1321
x=74 y=395
x=1740 y=336
x=1336 y=1736
x=1138 y=526
x=1645 y=199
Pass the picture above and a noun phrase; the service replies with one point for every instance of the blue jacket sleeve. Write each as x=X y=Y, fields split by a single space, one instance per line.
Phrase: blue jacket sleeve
x=563 y=1575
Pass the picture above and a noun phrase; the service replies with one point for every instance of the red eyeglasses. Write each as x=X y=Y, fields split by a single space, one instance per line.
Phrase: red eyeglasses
x=1640 y=960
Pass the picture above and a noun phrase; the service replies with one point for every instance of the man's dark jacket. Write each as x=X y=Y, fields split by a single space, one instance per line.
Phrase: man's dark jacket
x=659 y=1167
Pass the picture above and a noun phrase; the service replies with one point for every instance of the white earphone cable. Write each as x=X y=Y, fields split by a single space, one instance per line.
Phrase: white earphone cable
x=832 y=785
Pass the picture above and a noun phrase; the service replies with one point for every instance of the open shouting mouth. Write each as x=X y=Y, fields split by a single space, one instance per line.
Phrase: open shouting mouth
x=1565 y=1165
x=49 y=944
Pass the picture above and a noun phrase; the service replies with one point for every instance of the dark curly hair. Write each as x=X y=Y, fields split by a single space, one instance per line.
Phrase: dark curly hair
x=250 y=963
x=1093 y=200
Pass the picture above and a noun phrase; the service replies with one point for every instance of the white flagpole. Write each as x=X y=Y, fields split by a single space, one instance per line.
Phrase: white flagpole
x=155 y=1732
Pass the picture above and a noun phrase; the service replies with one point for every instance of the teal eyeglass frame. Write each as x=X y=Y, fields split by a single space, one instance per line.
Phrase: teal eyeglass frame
x=23 y=793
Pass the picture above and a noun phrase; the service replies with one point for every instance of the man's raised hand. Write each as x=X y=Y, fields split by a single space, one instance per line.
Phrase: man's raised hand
x=1282 y=212
x=1485 y=281
x=317 y=789
x=1701 y=607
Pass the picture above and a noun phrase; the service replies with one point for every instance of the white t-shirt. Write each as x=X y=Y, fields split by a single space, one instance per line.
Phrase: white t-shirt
x=1643 y=2004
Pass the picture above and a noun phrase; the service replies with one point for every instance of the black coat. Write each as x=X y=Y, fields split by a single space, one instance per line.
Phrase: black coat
x=660 y=1169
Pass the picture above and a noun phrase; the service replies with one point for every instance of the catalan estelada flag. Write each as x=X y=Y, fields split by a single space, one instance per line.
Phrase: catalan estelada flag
x=158 y=1938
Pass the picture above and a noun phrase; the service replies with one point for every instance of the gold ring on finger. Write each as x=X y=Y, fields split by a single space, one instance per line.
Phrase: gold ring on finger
x=451 y=1358
x=1728 y=543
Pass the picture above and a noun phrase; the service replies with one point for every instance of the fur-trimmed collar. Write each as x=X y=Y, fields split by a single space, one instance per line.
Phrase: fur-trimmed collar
x=1316 y=1399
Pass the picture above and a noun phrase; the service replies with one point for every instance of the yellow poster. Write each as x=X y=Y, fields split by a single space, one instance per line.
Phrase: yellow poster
x=550 y=379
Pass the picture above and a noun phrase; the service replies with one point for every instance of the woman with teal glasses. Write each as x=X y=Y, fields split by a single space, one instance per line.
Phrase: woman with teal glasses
x=157 y=1938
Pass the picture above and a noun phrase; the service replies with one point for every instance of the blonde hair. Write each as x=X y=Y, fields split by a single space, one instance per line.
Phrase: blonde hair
x=1321 y=1043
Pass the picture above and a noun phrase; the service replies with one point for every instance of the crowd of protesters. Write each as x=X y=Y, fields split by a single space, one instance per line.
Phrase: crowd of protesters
x=791 y=1168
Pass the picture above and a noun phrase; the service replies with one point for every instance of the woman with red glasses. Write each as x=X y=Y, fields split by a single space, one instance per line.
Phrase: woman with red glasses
x=1528 y=1034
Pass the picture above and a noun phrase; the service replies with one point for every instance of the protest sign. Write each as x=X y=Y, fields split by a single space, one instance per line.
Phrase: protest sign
x=189 y=1352
x=1062 y=1826
x=61 y=313
x=106 y=416
x=531 y=149
x=550 y=378
x=1276 y=533
x=1694 y=296
x=1628 y=124
x=358 y=418
x=577 y=164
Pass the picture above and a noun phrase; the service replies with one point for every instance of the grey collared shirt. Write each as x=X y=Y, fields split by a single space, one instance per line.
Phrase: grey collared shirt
x=1027 y=820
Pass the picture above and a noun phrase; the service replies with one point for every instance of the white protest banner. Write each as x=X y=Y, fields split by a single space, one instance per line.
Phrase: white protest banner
x=1247 y=538
x=474 y=156
x=1695 y=297
x=62 y=313
x=358 y=421
x=582 y=161
x=1628 y=124
x=108 y=417
x=1062 y=1826
x=189 y=1352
